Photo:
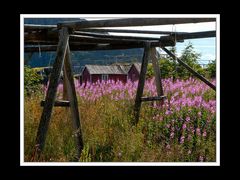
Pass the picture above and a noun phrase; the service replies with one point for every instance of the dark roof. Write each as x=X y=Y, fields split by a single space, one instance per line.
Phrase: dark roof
x=111 y=69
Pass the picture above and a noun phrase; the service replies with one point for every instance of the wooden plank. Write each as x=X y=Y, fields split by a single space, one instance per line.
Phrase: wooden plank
x=65 y=95
x=35 y=27
x=102 y=46
x=106 y=39
x=58 y=103
x=129 y=31
x=196 y=35
x=51 y=93
x=84 y=39
x=157 y=98
x=71 y=92
x=190 y=69
x=141 y=81
x=115 y=36
x=157 y=73
x=132 y=22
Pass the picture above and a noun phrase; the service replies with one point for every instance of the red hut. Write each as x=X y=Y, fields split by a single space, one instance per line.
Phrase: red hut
x=94 y=73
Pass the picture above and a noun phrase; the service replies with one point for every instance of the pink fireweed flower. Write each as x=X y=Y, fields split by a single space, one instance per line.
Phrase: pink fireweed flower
x=188 y=119
x=198 y=131
x=184 y=126
x=182 y=139
x=168 y=112
x=168 y=147
x=199 y=114
x=172 y=135
x=204 y=134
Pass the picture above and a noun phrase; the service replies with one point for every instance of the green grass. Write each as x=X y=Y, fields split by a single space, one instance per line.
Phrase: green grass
x=109 y=136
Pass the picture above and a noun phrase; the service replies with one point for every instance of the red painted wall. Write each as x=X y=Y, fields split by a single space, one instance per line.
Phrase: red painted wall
x=118 y=77
x=95 y=77
x=133 y=74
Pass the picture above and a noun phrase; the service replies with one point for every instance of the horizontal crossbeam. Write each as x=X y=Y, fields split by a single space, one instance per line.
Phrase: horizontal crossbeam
x=156 y=98
x=58 y=103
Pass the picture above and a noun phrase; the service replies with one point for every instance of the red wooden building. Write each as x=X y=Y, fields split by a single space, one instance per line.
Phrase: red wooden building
x=94 y=73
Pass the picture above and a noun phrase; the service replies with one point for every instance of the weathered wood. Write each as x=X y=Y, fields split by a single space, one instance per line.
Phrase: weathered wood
x=71 y=92
x=196 y=35
x=157 y=98
x=105 y=39
x=157 y=73
x=129 y=31
x=141 y=81
x=132 y=22
x=166 y=41
x=35 y=27
x=51 y=92
x=115 y=36
x=58 y=103
x=84 y=39
x=190 y=69
x=65 y=95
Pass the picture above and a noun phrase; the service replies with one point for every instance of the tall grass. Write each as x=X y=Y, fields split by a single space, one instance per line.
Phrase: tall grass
x=182 y=130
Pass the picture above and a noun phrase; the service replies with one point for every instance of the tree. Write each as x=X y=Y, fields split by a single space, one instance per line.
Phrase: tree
x=190 y=57
x=211 y=69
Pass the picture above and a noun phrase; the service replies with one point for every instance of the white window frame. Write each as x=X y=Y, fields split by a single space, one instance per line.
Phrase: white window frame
x=104 y=77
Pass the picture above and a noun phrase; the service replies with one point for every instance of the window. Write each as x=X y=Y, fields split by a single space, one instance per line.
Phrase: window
x=104 y=77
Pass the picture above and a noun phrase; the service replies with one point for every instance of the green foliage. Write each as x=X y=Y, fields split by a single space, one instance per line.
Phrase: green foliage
x=150 y=72
x=85 y=156
x=172 y=69
x=211 y=69
x=32 y=81
x=190 y=57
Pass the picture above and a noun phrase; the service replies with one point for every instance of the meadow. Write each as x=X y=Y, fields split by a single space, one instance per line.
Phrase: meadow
x=182 y=130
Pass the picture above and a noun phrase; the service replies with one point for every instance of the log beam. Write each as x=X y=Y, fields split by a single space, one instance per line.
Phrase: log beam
x=132 y=22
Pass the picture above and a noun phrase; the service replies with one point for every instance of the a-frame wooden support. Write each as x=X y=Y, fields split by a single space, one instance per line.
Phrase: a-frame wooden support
x=62 y=60
x=148 y=53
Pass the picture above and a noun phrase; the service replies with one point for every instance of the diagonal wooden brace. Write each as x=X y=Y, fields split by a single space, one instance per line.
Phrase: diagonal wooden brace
x=51 y=92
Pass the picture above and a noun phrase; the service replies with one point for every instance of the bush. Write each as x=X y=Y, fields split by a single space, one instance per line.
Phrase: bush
x=171 y=69
x=32 y=81
x=211 y=69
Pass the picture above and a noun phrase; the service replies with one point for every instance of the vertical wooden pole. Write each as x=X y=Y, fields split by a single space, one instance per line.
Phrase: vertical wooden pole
x=65 y=96
x=141 y=81
x=71 y=93
x=51 y=92
x=157 y=72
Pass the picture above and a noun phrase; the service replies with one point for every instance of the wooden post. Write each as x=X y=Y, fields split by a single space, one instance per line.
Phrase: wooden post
x=71 y=92
x=190 y=69
x=51 y=93
x=156 y=69
x=141 y=81
x=65 y=96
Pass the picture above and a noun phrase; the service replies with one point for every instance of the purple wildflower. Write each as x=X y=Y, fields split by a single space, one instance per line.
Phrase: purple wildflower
x=182 y=139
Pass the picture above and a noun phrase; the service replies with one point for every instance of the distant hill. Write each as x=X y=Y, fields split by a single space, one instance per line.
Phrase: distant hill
x=80 y=58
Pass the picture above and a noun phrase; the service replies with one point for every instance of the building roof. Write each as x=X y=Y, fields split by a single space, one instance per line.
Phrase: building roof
x=111 y=69
x=138 y=66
